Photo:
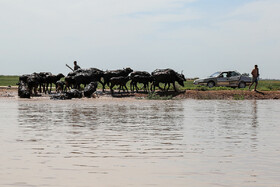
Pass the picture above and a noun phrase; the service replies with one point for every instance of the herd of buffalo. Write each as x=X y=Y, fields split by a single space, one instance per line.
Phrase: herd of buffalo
x=70 y=87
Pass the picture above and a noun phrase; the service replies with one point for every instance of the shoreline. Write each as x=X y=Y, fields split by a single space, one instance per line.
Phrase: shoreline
x=11 y=92
x=232 y=95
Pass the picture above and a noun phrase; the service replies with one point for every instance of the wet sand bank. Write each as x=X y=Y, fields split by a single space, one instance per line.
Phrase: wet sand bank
x=232 y=94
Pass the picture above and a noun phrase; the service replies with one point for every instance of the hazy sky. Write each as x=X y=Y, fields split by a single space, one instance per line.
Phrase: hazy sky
x=196 y=36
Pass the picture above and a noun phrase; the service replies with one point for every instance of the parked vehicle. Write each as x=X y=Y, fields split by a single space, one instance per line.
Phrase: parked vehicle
x=225 y=78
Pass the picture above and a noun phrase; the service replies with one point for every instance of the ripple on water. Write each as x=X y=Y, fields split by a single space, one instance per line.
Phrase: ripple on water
x=204 y=143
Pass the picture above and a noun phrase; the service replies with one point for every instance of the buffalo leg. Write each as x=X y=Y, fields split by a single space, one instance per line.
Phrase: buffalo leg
x=46 y=90
x=131 y=87
x=126 y=88
x=44 y=87
x=40 y=88
x=103 y=85
x=168 y=86
x=111 y=88
x=174 y=87
x=50 y=91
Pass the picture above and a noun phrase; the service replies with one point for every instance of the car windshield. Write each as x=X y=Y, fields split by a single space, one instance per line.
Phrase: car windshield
x=215 y=74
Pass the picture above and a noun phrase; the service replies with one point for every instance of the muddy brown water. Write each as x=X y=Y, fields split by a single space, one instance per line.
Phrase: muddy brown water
x=128 y=142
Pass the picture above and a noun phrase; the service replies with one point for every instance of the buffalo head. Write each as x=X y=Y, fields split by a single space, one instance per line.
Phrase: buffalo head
x=181 y=79
x=60 y=75
x=128 y=70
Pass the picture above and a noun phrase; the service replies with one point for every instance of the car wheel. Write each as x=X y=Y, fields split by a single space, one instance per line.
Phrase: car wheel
x=242 y=85
x=210 y=84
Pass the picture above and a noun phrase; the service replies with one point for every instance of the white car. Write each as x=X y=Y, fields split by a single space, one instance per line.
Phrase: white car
x=225 y=78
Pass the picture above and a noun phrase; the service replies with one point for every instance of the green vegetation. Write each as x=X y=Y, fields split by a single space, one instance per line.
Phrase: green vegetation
x=8 y=80
x=268 y=85
x=238 y=97
x=264 y=85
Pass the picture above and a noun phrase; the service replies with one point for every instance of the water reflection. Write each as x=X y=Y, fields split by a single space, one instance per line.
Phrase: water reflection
x=139 y=143
x=222 y=126
x=254 y=125
x=105 y=130
x=254 y=113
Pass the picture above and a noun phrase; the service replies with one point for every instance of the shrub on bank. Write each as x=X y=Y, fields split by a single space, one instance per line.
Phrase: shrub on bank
x=154 y=96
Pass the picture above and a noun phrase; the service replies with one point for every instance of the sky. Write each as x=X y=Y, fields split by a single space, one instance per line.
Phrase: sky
x=198 y=37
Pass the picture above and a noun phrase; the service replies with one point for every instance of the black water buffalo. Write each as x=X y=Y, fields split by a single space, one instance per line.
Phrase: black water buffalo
x=83 y=76
x=142 y=73
x=33 y=83
x=167 y=76
x=24 y=77
x=30 y=82
x=34 y=80
x=90 y=89
x=23 y=90
x=60 y=96
x=74 y=93
x=140 y=77
x=115 y=73
x=59 y=86
x=87 y=76
x=69 y=82
x=52 y=79
x=119 y=81
x=42 y=78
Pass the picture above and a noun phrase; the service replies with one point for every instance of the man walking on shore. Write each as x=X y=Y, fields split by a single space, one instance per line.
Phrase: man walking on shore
x=255 y=77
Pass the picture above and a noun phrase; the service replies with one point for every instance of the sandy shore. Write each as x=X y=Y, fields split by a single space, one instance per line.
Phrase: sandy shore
x=232 y=95
x=11 y=92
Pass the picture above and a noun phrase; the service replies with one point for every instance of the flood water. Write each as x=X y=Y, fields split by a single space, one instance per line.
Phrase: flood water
x=128 y=142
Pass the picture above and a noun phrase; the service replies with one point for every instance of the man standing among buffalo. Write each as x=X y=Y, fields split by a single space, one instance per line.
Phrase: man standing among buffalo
x=255 y=77
x=76 y=66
